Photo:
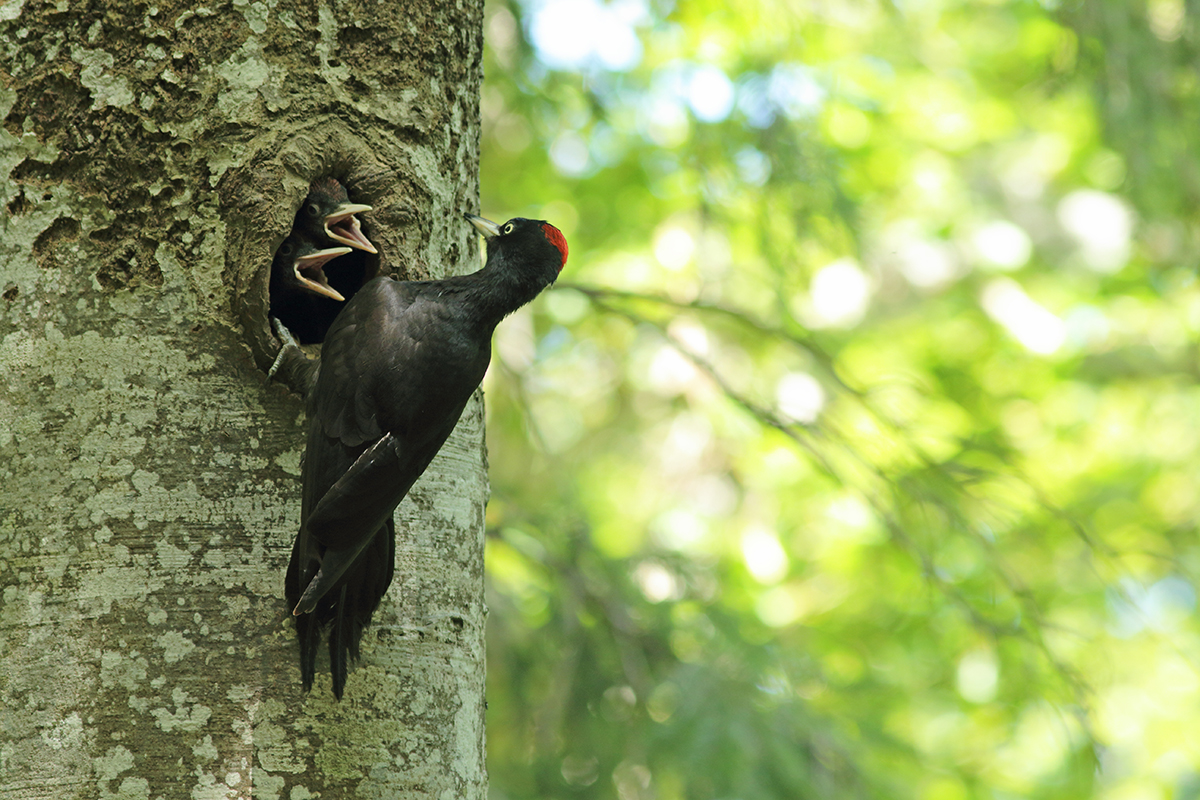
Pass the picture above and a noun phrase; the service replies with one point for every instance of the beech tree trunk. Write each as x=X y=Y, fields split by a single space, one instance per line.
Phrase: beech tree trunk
x=153 y=157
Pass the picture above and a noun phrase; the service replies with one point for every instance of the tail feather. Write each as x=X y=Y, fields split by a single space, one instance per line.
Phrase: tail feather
x=345 y=611
x=309 y=633
x=308 y=628
x=341 y=635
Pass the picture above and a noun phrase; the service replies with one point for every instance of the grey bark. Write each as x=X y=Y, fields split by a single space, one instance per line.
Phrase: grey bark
x=152 y=157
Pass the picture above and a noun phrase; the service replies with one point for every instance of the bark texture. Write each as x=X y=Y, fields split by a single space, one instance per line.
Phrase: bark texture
x=152 y=157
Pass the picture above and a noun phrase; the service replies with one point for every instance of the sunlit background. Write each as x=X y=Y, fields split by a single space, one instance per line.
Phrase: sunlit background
x=857 y=452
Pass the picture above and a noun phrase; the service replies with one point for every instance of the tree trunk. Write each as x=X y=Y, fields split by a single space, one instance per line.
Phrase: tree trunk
x=153 y=157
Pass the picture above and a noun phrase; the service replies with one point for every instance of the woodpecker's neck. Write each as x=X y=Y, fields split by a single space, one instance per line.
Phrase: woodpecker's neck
x=498 y=289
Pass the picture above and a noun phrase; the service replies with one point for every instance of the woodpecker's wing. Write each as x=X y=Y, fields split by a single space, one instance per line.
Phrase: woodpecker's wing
x=344 y=424
x=397 y=368
x=396 y=371
x=355 y=544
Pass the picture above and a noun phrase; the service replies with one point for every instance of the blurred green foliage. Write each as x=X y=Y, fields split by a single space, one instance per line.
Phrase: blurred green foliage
x=856 y=452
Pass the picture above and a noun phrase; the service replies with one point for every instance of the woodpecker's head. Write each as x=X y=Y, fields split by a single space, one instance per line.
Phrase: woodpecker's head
x=299 y=265
x=531 y=246
x=328 y=215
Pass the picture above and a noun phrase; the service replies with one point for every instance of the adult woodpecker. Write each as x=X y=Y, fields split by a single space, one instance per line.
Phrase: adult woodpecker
x=397 y=369
x=328 y=216
x=298 y=284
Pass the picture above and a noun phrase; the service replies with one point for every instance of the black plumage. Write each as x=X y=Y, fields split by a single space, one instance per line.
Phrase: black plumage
x=397 y=369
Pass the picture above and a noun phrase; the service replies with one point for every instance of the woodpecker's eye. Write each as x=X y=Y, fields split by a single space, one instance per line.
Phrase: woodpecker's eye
x=313 y=210
x=286 y=248
x=508 y=228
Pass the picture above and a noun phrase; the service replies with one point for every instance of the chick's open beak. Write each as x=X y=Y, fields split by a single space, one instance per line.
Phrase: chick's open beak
x=309 y=271
x=342 y=226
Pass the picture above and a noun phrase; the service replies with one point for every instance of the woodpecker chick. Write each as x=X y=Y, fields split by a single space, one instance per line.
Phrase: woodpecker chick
x=300 y=293
x=328 y=216
x=298 y=269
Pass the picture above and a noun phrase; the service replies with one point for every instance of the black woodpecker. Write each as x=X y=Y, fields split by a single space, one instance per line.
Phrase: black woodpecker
x=397 y=368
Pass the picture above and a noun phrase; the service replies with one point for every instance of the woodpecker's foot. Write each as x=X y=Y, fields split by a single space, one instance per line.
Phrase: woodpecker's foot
x=288 y=341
